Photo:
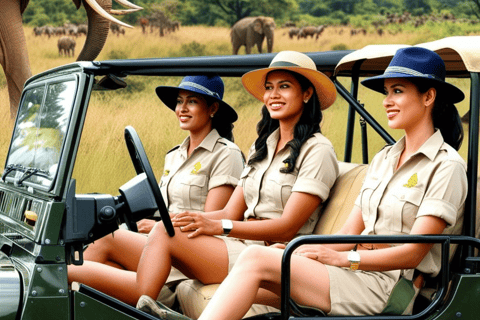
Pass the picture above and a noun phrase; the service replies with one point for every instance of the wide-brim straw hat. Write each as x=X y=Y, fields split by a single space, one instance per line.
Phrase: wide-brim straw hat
x=208 y=86
x=420 y=63
x=254 y=81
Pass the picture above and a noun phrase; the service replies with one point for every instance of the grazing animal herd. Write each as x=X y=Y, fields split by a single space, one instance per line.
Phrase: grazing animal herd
x=248 y=32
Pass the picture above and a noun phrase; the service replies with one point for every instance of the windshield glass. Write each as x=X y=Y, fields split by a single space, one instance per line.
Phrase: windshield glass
x=39 y=133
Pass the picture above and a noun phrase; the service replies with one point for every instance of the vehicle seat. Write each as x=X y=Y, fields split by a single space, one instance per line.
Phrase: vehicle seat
x=193 y=296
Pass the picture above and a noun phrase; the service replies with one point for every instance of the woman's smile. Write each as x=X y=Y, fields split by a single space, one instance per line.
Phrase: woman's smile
x=392 y=113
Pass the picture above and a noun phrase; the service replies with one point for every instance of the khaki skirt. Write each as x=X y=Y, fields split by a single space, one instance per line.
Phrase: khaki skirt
x=360 y=292
x=235 y=247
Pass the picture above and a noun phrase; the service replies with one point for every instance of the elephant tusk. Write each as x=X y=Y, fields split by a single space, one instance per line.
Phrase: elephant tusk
x=123 y=12
x=127 y=4
x=95 y=6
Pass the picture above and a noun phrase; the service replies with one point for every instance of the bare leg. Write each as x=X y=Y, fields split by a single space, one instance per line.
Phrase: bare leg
x=106 y=257
x=122 y=249
x=204 y=258
x=259 y=268
x=110 y=280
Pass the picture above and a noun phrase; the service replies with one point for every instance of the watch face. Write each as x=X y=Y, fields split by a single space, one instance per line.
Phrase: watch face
x=353 y=256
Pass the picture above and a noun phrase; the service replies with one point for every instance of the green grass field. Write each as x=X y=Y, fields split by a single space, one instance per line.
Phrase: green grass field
x=103 y=163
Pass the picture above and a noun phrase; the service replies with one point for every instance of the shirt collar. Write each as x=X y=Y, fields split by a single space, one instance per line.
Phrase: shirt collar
x=208 y=142
x=272 y=140
x=429 y=148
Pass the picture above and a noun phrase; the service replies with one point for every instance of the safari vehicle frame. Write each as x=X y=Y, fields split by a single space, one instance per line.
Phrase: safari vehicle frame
x=34 y=259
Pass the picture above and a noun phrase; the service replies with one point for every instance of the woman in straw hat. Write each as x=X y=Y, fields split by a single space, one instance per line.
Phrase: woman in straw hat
x=417 y=186
x=199 y=175
x=290 y=171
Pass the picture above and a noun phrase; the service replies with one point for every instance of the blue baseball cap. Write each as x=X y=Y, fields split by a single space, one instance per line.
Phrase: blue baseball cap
x=208 y=86
x=416 y=62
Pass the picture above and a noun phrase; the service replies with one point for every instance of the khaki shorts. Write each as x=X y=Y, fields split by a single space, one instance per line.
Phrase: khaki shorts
x=235 y=247
x=359 y=292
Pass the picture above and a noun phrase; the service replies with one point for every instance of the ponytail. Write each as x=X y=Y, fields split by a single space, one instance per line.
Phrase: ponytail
x=445 y=115
x=224 y=128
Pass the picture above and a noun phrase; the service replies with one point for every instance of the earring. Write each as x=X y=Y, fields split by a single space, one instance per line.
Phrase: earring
x=211 y=116
x=305 y=101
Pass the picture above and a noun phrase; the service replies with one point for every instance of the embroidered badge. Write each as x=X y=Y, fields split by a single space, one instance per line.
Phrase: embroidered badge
x=412 y=182
x=166 y=172
x=196 y=168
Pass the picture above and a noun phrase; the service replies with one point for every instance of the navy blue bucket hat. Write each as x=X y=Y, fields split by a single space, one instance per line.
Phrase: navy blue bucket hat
x=211 y=87
x=416 y=62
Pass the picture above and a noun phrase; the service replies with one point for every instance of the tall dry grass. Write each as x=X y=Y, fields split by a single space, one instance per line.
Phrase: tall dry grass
x=103 y=164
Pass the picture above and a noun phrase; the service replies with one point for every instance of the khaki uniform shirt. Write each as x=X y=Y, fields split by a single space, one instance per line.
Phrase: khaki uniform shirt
x=432 y=182
x=186 y=181
x=266 y=189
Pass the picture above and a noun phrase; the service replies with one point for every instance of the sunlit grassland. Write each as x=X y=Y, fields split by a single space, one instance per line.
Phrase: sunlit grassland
x=103 y=164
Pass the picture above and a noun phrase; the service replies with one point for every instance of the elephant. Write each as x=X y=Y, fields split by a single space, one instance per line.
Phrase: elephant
x=13 y=47
x=293 y=32
x=66 y=46
x=310 y=32
x=251 y=31
x=306 y=32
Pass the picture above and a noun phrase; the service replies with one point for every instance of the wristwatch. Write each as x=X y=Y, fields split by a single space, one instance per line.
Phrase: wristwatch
x=354 y=258
x=227 y=226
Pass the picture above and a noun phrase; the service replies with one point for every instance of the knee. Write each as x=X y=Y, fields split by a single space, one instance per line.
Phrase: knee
x=253 y=258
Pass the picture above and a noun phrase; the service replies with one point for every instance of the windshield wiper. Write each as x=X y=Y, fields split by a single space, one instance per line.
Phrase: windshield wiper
x=27 y=172
x=12 y=167
x=33 y=171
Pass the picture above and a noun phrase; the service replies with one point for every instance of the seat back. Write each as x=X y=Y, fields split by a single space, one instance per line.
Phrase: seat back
x=342 y=197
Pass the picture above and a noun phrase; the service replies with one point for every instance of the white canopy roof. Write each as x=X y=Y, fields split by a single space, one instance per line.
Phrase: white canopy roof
x=461 y=55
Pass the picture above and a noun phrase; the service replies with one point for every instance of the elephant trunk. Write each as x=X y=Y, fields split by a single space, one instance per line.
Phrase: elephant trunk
x=98 y=28
x=270 y=44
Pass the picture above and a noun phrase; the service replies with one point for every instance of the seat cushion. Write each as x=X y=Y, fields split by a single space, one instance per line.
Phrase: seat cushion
x=342 y=197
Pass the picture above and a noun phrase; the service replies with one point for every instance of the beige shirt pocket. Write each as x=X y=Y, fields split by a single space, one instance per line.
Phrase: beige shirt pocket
x=194 y=191
x=369 y=208
x=249 y=183
x=280 y=188
x=405 y=203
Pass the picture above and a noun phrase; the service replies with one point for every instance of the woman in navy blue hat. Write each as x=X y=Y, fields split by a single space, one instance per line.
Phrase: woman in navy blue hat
x=199 y=175
x=417 y=186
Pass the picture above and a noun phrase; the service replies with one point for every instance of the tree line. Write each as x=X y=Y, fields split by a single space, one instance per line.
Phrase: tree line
x=227 y=12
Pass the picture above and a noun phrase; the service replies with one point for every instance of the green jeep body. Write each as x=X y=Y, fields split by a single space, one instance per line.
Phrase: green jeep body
x=38 y=179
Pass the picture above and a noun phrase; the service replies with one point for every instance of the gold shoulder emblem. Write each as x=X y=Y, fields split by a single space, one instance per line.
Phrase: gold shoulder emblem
x=166 y=172
x=412 y=182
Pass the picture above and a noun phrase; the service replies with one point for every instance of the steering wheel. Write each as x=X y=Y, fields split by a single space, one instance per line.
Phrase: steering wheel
x=141 y=164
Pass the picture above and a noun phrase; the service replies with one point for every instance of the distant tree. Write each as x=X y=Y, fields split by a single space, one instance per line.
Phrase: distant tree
x=476 y=8
x=417 y=7
x=58 y=12
x=233 y=10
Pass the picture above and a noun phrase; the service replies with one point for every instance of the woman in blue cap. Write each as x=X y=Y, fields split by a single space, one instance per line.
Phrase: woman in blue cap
x=199 y=175
x=417 y=186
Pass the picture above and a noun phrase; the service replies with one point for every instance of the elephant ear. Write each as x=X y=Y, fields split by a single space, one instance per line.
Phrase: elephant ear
x=258 y=25
x=23 y=5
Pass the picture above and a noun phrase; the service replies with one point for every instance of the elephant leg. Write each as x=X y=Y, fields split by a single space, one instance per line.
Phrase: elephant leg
x=259 y=47
x=13 y=51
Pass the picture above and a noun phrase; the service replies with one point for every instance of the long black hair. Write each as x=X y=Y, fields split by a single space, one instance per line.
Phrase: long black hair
x=445 y=114
x=224 y=128
x=307 y=125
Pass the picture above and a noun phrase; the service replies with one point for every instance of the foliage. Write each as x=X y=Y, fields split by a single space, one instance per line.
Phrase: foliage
x=226 y=12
